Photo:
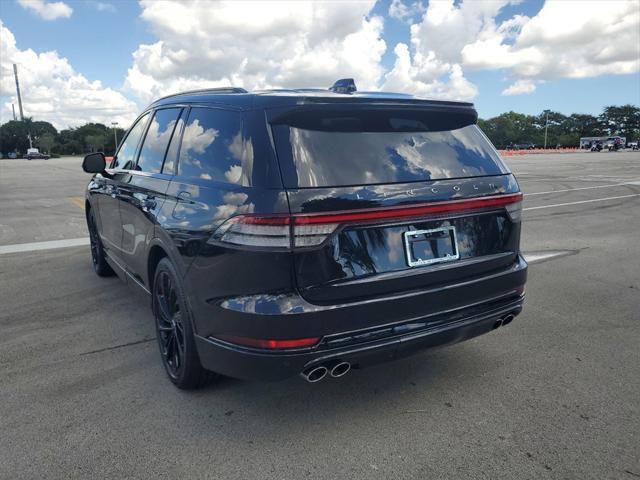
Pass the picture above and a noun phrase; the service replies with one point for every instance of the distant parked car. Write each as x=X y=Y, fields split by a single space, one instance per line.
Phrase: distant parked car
x=34 y=154
x=525 y=146
x=12 y=155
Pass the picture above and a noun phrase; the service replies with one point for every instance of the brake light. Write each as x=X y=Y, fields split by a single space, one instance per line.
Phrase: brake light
x=311 y=229
x=256 y=231
x=270 y=344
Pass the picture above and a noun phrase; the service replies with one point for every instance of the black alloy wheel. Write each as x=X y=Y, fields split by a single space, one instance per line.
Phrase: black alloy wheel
x=174 y=331
x=98 y=259
x=169 y=322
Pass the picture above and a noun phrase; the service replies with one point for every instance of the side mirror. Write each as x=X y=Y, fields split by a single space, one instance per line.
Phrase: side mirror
x=94 y=163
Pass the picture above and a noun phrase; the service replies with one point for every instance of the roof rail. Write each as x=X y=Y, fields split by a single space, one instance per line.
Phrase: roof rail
x=206 y=90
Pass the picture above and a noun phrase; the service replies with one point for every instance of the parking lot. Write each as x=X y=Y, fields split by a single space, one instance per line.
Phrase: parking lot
x=556 y=394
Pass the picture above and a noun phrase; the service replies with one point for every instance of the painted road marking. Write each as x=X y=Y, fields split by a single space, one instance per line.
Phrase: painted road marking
x=32 y=247
x=582 y=201
x=583 y=188
x=537 y=257
x=78 y=201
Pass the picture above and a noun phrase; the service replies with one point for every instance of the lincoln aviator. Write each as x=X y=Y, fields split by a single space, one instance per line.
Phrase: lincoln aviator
x=307 y=232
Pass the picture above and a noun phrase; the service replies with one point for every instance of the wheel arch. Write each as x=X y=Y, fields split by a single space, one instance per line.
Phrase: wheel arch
x=156 y=253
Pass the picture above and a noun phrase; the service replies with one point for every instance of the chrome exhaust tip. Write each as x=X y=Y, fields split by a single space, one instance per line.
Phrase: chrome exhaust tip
x=340 y=369
x=508 y=319
x=315 y=374
x=497 y=324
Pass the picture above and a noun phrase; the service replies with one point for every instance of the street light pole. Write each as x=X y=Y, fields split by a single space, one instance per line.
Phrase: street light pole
x=546 y=126
x=115 y=136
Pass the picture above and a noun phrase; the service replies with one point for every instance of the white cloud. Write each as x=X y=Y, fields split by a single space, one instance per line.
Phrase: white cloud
x=427 y=77
x=573 y=39
x=105 y=7
x=405 y=11
x=53 y=91
x=520 y=87
x=433 y=65
x=47 y=10
x=256 y=45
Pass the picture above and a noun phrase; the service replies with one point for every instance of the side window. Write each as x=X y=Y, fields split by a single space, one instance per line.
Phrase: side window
x=125 y=158
x=157 y=139
x=212 y=146
x=172 y=153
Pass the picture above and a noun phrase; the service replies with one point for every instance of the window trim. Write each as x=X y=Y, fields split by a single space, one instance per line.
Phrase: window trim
x=186 y=111
x=137 y=150
x=146 y=132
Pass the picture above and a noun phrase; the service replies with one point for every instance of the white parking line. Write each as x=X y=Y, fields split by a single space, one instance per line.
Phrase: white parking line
x=32 y=247
x=583 y=188
x=582 y=201
x=536 y=257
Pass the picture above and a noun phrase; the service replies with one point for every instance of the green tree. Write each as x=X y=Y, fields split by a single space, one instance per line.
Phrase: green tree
x=14 y=137
x=45 y=142
x=95 y=143
x=623 y=120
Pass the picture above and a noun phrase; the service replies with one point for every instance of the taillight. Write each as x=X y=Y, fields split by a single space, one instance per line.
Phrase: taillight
x=255 y=231
x=514 y=210
x=302 y=230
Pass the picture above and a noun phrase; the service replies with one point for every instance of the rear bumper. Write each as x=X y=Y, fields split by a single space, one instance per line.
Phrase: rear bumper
x=449 y=315
x=252 y=364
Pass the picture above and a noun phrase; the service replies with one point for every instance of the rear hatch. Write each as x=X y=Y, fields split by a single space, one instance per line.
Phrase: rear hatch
x=390 y=199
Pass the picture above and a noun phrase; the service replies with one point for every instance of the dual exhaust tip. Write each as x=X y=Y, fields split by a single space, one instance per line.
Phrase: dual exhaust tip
x=341 y=368
x=502 y=321
x=336 y=370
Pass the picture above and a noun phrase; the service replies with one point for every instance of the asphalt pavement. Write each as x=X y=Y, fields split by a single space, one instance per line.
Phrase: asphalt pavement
x=554 y=395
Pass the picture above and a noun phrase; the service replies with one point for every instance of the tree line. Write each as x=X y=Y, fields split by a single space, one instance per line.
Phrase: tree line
x=91 y=137
x=503 y=130
x=562 y=130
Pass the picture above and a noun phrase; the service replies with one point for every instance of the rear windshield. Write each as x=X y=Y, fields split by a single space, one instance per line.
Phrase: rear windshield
x=317 y=158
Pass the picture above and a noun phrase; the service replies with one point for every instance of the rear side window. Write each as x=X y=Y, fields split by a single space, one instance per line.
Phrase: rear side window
x=125 y=159
x=317 y=158
x=212 y=147
x=157 y=140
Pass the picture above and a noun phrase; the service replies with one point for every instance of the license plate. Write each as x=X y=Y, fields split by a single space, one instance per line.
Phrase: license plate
x=426 y=247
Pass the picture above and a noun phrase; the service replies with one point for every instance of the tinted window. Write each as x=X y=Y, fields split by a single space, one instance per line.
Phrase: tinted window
x=212 y=146
x=172 y=153
x=311 y=158
x=157 y=139
x=125 y=159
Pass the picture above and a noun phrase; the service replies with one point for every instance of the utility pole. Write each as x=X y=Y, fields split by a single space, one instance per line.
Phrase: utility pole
x=115 y=137
x=546 y=126
x=15 y=74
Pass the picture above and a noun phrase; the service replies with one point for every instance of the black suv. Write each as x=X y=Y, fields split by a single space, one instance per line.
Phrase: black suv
x=307 y=232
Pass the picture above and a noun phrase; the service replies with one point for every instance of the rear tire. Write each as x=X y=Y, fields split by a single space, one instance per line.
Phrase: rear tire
x=174 y=330
x=98 y=257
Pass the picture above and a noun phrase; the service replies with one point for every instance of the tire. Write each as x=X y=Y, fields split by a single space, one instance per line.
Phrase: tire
x=100 y=265
x=174 y=330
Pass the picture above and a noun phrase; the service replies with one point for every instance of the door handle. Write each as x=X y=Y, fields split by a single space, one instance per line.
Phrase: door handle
x=179 y=208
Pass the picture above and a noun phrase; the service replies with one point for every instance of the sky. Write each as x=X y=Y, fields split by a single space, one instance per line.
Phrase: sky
x=104 y=61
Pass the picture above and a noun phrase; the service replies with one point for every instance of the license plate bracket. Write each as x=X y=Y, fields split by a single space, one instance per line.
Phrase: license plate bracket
x=428 y=247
